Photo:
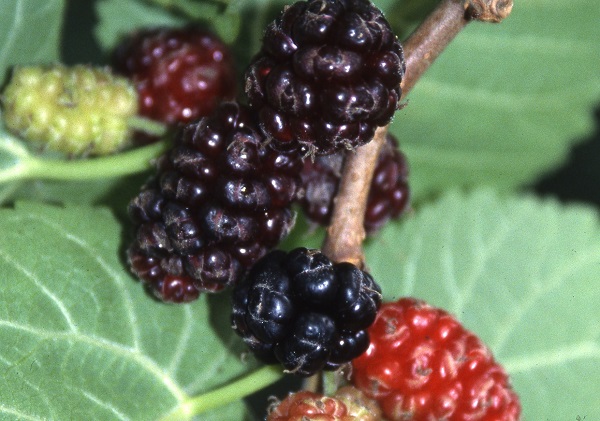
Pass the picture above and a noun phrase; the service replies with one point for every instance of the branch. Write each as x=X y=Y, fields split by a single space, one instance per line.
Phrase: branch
x=346 y=233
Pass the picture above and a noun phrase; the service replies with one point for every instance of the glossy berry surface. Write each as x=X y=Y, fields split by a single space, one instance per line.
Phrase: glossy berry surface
x=348 y=404
x=304 y=311
x=327 y=76
x=79 y=110
x=422 y=364
x=388 y=196
x=219 y=201
x=181 y=74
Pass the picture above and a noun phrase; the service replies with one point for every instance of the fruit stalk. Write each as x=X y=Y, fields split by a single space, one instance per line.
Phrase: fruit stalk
x=222 y=396
x=346 y=233
x=26 y=166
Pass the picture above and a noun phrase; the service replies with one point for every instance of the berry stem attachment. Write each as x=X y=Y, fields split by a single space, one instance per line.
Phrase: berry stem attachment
x=22 y=165
x=346 y=234
x=222 y=396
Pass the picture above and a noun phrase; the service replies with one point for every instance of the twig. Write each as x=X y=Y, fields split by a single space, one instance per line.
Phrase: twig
x=346 y=233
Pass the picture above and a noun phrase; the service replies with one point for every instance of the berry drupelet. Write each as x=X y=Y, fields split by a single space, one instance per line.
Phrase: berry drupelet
x=181 y=74
x=388 y=194
x=422 y=364
x=219 y=202
x=327 y=76
x=304 y=311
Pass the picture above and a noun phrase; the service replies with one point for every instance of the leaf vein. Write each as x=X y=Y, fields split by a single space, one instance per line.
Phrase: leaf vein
x=130 y=353
x=18 y=414
x=113 y=275
x=182 y=343
x=104 y=405
x=57 y=302
x=481 y=257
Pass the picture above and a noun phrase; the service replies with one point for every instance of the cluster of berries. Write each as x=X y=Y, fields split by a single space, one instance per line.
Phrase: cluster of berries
x=207 y=216
x=328 y=74
x=421 y=364
x=352 y=52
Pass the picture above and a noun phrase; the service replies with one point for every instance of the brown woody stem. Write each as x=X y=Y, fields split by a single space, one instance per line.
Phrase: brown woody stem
x=346 y=233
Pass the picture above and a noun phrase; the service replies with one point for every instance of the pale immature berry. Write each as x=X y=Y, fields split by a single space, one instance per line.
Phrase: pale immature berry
x=78 y=110
x=347 y=404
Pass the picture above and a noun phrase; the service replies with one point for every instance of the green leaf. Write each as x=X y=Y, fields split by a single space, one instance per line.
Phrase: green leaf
x=29 y=32
x=219 y=15
x=79 y=338
x=305 y=233
x=234 y=411
x=254 y=16
x=522 y=274
x=405 y=15
x=504 y=103
x=114 y=193
x=118 y=18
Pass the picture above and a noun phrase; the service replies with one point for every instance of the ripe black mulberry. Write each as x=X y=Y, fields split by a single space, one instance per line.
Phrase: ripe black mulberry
x=304 y=311
x=327 y=76
x=219 y=202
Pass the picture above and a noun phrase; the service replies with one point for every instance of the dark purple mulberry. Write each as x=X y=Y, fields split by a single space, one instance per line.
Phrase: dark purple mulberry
x=327 y=75
x=304 y=311
x=219 y=202
x=388 y=196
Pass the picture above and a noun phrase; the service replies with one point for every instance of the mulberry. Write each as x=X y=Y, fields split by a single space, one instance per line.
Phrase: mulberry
x=79 y=110
x=219 y=202
x=304 y=311
x=388 y=195
x=181 y=74
x=327 y=76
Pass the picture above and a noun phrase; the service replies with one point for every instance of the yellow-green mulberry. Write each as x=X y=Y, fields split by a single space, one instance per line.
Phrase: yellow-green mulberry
x=79 y=110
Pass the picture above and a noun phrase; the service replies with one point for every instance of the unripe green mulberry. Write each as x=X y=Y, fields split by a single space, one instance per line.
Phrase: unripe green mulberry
x=77 y=110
